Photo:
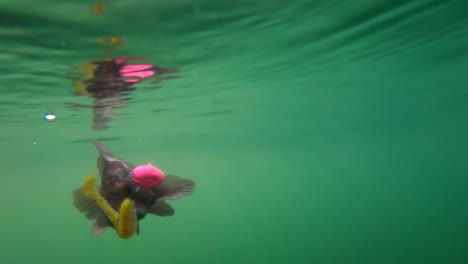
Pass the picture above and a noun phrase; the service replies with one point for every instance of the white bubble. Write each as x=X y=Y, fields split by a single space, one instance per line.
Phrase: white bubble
x=50 y=117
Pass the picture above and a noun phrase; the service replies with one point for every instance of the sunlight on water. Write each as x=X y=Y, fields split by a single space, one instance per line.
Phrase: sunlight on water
x=316 y=131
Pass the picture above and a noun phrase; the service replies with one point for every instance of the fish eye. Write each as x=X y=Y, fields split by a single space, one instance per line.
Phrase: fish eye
x=128 y=190
x=125 y=188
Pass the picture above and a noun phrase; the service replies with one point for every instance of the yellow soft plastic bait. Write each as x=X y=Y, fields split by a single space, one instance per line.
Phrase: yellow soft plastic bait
x=125 y=221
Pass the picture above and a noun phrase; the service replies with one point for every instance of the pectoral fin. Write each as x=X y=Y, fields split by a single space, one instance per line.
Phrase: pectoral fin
x=91 y=209
x=86 y=205
x=173 y=188
x=161 y=208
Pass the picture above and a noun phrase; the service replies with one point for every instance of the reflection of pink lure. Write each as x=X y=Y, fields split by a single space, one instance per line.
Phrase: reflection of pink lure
x=134 y=73
x=147 y=176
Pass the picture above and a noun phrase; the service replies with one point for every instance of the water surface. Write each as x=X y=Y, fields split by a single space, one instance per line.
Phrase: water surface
x=316 y=131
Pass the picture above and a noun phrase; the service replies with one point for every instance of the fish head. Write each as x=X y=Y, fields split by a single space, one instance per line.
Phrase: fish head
x=117 y=170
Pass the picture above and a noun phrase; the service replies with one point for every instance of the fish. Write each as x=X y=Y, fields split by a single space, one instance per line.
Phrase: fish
x=117 y=186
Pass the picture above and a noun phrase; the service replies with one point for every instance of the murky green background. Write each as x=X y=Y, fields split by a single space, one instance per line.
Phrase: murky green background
x=316 y=131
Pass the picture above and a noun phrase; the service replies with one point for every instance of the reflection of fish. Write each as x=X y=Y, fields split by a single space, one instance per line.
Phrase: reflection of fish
x=109 y=81
x=103 y=110
x=117 y=185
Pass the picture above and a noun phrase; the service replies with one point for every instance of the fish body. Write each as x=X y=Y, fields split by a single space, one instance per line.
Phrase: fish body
x=117 y=186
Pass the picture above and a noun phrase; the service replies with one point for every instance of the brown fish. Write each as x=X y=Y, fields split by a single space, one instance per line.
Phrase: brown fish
x=117 y=185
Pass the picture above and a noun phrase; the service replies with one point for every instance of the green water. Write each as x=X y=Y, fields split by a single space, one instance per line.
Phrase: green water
x=316 y=131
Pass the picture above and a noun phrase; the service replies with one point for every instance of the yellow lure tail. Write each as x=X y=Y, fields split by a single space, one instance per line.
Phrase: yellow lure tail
x=128 y=219
x=125 y=222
